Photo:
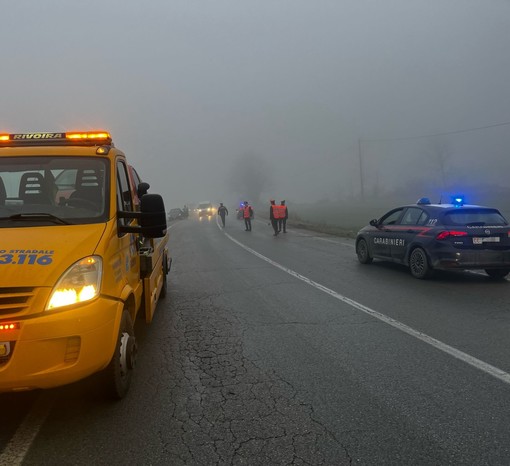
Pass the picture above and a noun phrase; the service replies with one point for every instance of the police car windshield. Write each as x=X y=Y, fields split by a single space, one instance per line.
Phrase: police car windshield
x=474 y=217
x=39 y=189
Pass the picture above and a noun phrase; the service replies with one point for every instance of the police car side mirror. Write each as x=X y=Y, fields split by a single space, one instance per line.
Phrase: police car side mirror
x=374 y=222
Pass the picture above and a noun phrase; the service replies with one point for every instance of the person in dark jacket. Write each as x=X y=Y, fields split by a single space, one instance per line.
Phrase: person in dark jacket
x=222 y=211
x=284 y=215
x=273 y=216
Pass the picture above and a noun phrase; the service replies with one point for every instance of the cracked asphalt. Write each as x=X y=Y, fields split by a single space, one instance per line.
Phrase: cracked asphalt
x=229 y=410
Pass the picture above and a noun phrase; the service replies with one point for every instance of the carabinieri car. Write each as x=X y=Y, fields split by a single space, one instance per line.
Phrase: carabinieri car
x=426 y=236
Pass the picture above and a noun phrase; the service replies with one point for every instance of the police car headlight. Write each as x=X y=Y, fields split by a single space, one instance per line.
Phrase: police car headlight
x=80 y=283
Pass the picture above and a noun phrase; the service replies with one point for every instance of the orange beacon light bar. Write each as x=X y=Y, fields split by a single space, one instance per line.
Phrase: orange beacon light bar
x=89 y=135
x=74 y=137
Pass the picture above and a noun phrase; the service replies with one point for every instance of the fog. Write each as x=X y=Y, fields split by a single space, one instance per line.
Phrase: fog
x=230 y=100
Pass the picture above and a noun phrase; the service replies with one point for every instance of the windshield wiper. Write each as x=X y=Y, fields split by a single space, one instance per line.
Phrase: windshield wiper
x=37 y=216
x=475 y=224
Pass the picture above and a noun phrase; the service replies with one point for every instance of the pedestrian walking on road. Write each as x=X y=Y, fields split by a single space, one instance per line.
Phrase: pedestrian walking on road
x=222 y=211
x=284 y=215
x=273 y=216
x=247 y=215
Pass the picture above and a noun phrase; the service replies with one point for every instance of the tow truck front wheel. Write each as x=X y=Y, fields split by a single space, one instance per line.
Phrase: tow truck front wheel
x=117 y=375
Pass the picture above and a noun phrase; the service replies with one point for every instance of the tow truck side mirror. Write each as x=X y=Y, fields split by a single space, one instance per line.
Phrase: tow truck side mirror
x=142 y=189
x=152 y=217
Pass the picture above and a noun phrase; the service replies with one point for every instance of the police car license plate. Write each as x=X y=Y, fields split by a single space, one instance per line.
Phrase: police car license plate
x=488 y=239
x=5 y=348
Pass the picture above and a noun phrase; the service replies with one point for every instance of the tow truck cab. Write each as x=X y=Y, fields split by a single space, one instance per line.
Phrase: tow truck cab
x=83 y=253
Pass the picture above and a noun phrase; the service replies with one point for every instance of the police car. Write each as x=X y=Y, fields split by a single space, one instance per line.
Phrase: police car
x=425 y=236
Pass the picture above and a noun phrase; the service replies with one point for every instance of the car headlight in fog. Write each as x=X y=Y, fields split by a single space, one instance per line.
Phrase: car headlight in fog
x=80 y=283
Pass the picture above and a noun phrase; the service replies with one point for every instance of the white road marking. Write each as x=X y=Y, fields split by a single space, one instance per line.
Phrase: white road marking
x=472 y=361
x=18 y=446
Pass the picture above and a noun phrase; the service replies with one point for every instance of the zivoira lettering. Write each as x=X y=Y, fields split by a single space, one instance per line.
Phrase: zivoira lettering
x=38 y=136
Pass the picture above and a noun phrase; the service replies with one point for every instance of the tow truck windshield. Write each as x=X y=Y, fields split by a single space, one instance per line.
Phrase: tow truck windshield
x=53 y=190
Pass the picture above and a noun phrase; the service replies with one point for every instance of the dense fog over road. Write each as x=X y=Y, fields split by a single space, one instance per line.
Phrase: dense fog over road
x=291 y=97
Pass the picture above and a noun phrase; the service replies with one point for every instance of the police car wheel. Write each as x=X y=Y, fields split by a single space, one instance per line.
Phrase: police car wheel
x=362 y=252
x=117 y=375
x=419 y=264
x=497 y=274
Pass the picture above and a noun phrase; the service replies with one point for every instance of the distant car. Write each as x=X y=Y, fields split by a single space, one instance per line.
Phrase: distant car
x=205 y=209
x=175 y=214
x=426 y=236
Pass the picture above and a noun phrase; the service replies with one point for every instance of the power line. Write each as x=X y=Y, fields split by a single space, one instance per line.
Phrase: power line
x=436 y=134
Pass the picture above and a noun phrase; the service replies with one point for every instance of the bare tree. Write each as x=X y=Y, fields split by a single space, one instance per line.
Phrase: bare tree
x=250 y=176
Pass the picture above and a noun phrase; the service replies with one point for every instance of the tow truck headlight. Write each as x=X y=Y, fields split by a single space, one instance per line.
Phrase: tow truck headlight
x=80 y=283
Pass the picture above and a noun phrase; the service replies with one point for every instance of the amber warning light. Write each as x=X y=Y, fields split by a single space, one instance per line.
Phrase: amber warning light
x=9 y=326
x=88 y=135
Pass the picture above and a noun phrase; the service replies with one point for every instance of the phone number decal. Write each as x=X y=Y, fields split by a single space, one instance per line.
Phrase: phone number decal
x=25 y=257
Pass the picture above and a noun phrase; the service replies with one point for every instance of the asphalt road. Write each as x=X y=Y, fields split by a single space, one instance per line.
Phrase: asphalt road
x=286 y=350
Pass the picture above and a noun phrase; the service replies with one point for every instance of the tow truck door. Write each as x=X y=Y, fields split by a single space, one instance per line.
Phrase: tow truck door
x=128 y=241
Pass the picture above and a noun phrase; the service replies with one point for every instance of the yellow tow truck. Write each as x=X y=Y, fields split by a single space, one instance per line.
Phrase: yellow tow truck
x=83 y=252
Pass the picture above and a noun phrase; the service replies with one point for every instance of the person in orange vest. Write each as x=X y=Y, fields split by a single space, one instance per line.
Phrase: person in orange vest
x=274 y=215
x=247 y=215
x=284 y=215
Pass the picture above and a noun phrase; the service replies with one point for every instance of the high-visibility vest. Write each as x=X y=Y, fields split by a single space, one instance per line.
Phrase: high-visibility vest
x=279 y=211
x=246 y=211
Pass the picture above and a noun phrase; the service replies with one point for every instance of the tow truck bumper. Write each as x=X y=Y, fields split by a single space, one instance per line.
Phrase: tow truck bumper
x=57 y=348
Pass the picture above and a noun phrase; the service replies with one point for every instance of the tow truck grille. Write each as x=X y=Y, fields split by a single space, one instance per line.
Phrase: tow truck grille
x=15 y=300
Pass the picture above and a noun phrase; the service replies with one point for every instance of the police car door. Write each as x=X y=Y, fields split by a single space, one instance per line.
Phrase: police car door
x=409 y=226
x=385 y=232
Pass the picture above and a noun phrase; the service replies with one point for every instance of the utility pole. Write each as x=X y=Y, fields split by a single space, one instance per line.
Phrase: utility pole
x=362 y=188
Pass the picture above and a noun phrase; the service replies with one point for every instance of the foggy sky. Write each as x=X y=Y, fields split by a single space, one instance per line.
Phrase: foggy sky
x=186 y=87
